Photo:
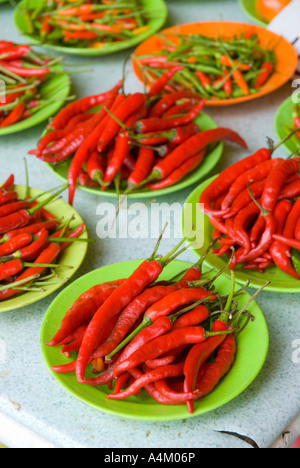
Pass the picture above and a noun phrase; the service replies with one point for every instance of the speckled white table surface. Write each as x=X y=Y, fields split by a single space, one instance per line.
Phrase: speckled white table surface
x=34 y=410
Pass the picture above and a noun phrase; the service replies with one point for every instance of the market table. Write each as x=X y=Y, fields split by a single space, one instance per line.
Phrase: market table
x=34 y=410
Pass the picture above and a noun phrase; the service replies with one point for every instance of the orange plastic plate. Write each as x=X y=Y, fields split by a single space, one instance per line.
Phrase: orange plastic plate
x=286 y=54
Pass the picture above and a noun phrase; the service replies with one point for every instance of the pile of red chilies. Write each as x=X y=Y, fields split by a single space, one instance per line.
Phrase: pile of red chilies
x=175 y=339
x=23 y=72
x=31 y=240
x=146 y=140
x=254 y=207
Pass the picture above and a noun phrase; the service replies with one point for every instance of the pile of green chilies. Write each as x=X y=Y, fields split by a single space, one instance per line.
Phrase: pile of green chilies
x=31 y=241
x=84 y=24
x=23 y=73
x=174 y=339
x=214 y=68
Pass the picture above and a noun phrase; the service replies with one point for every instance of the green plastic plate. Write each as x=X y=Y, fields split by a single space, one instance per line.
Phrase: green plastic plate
x=210 y=161
x=252 y=347
x=249 y=8
x=55 y=90
x=280 y=282
x=73 y=256
x=283 y=124
x=157 y=9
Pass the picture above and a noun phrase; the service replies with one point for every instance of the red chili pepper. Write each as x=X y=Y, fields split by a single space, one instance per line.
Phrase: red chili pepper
x=81 y=106
x=85 y=149
x=9 y=208
x=240 y=81
x=14 y=116
x=292 y=220
x=82 y=310
x=8 y=184
x=13 y=267
x=145 y=161
x=61 y=138
x=275 y=182
x=24 y=72
x=167 y=101
x=31 y=229
x=290 y=190
x=204 y=79
x=132 y=104
x=95 y=167
x=191 y=147
x=31 y=252
x=154 y=393
x=121 y=151
x=68 y=145
x=176 y=135
x=161 y=82
x=173 y=370
x=192 y=318
x=161 y=345
x=142 y=277
x=197 y=356
x=130 y=316
x=257 y=228
x=244 y=198
x=8 y=197
x=73 y=235
x=263 y=245
x=186 y=168
x=179 y=109
x=228 y=62
x=241 y=223
x=46 y=257
x=265 y=72
x=14 y=52
x=259 y=172
x=159 y=328
x=80 y=35
x=169 y=304
x=297 y=231
x=227 y=177
x=166 y=359
x=14 y=244
x=218 y=369
x=74 y=341
x=22 y=217
x=156 y=124
x=75 y=11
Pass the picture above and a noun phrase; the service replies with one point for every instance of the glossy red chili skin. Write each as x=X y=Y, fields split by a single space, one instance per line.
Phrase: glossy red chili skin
x=145 y=274
x=160 y=346
x=275 y=181
x=130 y=315
x=222 y=183
x=80 y=106
x=218 y=369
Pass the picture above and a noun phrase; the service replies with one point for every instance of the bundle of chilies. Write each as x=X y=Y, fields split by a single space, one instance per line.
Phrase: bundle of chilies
x=212 y=67
x=175 y=339
x=90 y=24
x=23 y=73
x=254 y=207
x=147 y=140
x=31 y=241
